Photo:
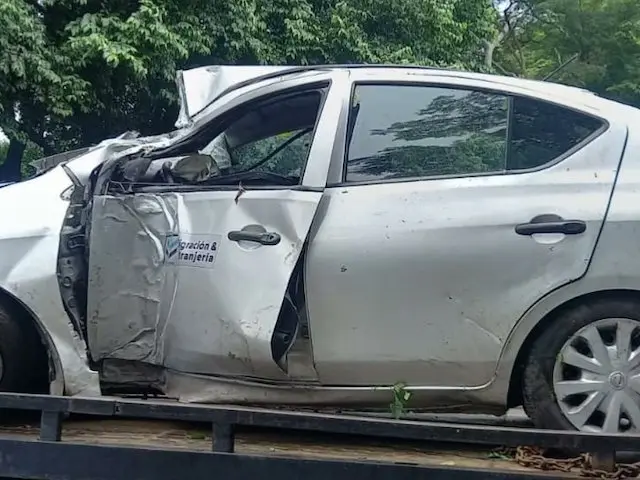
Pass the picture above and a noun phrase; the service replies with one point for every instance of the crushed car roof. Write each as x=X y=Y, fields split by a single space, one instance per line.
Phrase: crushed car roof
x=199 y=87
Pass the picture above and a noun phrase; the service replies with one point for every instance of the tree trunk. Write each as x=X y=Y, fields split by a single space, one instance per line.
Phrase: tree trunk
x=10 y=170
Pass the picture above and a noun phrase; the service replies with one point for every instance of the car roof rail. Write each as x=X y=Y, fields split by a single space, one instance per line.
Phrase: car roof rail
x=309 y=68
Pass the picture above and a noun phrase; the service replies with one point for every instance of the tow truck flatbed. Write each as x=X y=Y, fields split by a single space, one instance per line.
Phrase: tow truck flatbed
x=115 y=438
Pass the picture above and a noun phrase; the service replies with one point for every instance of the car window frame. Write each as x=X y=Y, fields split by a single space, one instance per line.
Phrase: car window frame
x=235 y=113
x=466 y=87
x=232 y=110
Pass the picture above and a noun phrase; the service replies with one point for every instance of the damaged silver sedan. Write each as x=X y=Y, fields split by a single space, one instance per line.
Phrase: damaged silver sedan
x=320 y=235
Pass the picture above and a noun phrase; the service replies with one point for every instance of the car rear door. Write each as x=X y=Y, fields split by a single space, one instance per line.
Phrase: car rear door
x=461 y=204
x=194 y=279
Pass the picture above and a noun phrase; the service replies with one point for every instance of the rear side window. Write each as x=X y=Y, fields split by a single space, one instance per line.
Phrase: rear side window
x=412 y=131
x=408 y=131
x=542 y=132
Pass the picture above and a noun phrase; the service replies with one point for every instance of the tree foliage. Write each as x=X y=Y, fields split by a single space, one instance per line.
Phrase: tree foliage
x=76 y=71
x=73 y=72
x=601 y=37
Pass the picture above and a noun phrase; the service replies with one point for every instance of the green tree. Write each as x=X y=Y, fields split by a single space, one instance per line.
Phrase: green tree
x=73 y=72
x=601 y=37
x=87 y=69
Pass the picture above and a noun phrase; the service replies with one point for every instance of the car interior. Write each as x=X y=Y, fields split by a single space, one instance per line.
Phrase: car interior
x=263 y=144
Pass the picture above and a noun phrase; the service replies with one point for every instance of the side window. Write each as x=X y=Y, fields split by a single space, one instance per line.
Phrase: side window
x=542 y=132
x=287 y=153
x=402 y=131
x=271 y=137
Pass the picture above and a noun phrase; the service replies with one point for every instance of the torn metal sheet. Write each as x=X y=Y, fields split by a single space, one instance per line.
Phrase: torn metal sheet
x=47 y=163
x=51 y=161
x=198 y=87
x=132 y=275
x=121 y=146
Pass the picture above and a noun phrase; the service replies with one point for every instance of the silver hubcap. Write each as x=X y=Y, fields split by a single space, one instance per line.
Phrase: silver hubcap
x=596 y=378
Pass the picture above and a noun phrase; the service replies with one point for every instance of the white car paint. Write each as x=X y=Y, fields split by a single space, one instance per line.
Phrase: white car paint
x=454 y=317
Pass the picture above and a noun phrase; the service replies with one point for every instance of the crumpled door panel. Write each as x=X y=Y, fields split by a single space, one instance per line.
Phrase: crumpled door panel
x=132 y=274
x=169 y=286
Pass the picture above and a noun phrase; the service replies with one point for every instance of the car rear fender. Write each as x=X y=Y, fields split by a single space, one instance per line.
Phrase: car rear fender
x=614 y=265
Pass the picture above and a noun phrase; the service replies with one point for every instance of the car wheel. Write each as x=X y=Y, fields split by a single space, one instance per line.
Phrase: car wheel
x=583 y=372
x=22 y=357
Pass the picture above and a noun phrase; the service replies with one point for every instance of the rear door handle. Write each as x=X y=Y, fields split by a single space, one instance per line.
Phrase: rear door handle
x=263 y=238
x=551 y=224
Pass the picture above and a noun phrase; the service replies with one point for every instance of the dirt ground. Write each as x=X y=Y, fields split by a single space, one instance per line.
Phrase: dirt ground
x=197 y=437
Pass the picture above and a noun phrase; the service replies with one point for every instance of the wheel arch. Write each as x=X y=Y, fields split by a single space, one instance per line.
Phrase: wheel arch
x=514 y=389
x=31 y=321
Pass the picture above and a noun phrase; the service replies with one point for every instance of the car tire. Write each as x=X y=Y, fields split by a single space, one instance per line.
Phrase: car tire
x=22 y=356
x=539 y=395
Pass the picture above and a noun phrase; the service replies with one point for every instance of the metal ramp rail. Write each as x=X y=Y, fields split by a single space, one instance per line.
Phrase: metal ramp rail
x=53 y=459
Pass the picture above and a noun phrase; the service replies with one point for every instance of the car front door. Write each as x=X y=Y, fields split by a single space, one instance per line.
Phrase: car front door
x=192 y=277
x=458 y=208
